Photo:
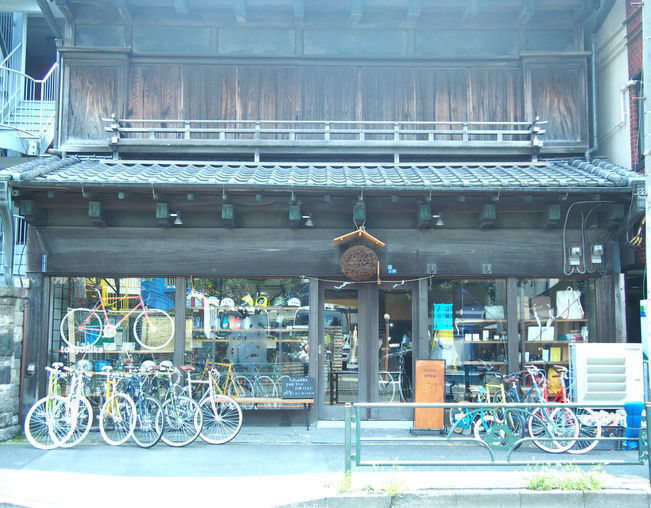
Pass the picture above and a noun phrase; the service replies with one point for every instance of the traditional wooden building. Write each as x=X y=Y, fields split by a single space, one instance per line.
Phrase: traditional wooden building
x=340 y=175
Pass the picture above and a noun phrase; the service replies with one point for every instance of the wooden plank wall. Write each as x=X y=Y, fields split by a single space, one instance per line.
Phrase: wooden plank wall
x=323 y=92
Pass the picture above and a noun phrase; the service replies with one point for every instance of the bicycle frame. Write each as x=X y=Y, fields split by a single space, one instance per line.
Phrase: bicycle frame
x=110 y=329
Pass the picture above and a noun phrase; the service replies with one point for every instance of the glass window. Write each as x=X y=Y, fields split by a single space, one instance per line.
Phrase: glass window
x=107 y=320
x=551 y=314
x=255 y=328
x=468 y=329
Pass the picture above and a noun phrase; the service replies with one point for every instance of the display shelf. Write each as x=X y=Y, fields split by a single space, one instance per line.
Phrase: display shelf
x=484 y=363
x=268 y=340
x=485 y=341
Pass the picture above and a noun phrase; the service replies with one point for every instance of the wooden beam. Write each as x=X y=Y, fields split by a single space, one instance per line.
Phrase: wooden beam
x=527 y=11
x=356 y=12
x=123 y=9
x=49 y=17
x=413 y=11
x=240 y=11
x=471 y=12
x=360 y=233
x=64 y=8
x=299 y=11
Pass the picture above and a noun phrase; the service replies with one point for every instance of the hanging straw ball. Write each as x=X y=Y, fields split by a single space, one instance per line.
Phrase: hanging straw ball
x=359 y=263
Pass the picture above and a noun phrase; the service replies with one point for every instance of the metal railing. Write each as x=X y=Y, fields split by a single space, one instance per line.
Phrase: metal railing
x=19 y=241
x=26 y=104
x=522 y=134
x=353 y=439
x=6 y=32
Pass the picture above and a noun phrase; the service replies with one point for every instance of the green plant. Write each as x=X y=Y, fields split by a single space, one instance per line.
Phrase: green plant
x=566 y=477
x=368 y=489
x=346 y=484
x=394 y=487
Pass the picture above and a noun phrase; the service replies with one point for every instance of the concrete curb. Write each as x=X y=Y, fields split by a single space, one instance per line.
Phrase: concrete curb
x=504 y=498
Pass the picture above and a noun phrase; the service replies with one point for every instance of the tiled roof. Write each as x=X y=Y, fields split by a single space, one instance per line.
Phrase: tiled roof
x=551 y=175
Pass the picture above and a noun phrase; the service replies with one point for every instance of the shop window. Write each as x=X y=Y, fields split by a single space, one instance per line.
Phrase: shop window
x=468 y=329
x=257 y=328
x=553 y=313
x=106 y=320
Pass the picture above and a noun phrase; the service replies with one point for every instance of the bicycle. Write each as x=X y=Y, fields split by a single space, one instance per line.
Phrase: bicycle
x=222 y=415
x=152 y=328
x=117 y=418
x=46 y=425
x=150 y=420
x=552 y=430
x=589 y=425
x=183 y=417
x=79 y=412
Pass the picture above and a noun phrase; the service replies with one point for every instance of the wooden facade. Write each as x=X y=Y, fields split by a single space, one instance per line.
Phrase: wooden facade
x=409 y=61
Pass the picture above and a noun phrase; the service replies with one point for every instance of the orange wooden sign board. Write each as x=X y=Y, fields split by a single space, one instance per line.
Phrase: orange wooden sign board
x=429 y=381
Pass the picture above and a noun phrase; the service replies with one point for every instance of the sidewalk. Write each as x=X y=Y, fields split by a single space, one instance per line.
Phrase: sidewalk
x=278 y=466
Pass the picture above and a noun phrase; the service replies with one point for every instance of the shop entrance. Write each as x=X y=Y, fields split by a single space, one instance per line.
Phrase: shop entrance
x=365 y=350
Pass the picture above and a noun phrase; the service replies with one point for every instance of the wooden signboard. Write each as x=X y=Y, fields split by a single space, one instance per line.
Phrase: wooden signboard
x=429 y=380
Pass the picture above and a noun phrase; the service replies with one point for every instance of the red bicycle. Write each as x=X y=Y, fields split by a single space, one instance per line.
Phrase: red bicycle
x=152 y=328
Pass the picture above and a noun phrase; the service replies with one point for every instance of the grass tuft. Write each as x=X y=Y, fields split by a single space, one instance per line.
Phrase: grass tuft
x=565 y=477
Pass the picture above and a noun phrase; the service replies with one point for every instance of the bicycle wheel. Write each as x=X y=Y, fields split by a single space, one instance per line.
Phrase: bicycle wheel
x=183 y=421
x=460 y=419
x=79 y=413
x=46 y=426
x=264 y=386
x=222 y=419
x=117 y=419
x=386 y=387
x=81 y=327
x=241 y=387
x=150 y=422
x=404 y=385
x=153 y=329
x=546 y=428
x=589 y=427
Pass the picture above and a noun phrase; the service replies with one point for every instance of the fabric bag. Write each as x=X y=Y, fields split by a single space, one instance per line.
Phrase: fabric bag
x=568 y=304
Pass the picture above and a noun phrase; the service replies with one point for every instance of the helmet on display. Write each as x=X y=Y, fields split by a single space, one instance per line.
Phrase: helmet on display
x=262 y=301
x=279 y=301
x=147 y=366
x=85 y=365
x=228 y=302
x=247 y=300
x=166 y=364
x=294 y=302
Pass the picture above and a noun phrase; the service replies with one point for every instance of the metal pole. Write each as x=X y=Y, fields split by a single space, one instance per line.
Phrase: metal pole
x=358 y=435
x=386 y=342
x=347 y=464
x=647 y=408
x=643 y=104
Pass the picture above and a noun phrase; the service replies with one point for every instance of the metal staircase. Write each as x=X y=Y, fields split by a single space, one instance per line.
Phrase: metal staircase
x=27 y=107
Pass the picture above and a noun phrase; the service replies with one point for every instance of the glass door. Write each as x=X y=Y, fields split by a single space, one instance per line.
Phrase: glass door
x=340 y=351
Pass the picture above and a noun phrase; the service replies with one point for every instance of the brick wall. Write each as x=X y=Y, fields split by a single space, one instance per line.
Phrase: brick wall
x=12 y=306
x=635 y=57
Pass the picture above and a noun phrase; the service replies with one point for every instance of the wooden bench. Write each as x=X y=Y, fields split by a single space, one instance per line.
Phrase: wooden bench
x=277 y=401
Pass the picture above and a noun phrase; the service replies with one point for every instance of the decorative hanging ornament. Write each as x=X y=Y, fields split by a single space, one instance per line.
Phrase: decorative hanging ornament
x=359 y=263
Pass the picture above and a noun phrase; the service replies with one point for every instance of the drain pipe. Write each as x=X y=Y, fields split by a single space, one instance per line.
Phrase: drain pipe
x=593 y=71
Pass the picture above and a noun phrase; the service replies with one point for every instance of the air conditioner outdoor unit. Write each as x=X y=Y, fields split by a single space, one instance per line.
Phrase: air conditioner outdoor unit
x=605 y=373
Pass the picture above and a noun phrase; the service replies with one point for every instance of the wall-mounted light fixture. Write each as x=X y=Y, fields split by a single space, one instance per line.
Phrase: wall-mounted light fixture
x=488 y=216
x=552 y=216
x=178 y=220
x=359 y=211
x=228 y=214
x=162 y=214
x=95 y=212
x=308 y=220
